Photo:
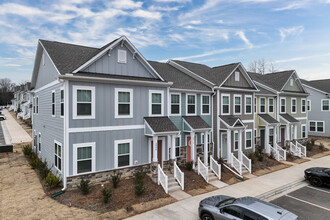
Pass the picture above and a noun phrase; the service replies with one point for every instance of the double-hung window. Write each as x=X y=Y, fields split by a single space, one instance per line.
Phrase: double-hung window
x=320 y=126
x=303 y=105
x=177 y=146
x=123 y=153
x=123 y=103
x=237 y=105
x=309 y=105
x=271 y=136
x=262 y=105
x=58 y=155
x=156 y=102
x=205 y=104
x=248 y=139
x=236 y=140
x=191 y=104
x=293 y=105
x=270 y=105
x=53 y=103
x=283 y=105
x=84 y=158
x=325 y=104
x=255 y=105
x=248 y=104
x=34 y=105
x=37 y=104
x=312 y=126
x=303 y=131
x=83 y=102
x=175 y=104
x=62 y=102
x=39 y=145
x=225 y=104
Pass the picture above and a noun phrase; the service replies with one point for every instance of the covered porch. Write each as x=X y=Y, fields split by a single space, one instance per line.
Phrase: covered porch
x=289 y=128
x=268 y=128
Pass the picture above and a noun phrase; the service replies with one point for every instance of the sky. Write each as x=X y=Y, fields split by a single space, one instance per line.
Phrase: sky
x=289 y=34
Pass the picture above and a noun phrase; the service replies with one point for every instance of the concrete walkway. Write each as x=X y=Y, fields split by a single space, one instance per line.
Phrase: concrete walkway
x=16 y=134
x=188 y=208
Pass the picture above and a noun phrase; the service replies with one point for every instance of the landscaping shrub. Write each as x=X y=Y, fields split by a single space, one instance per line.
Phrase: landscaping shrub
x=27 y=150
x=107 y=193
x=52 y=180
x=34 y=160
x=189 y=165
x=115 y=179
x=252 y=157
x=309 y=145
x=290 y=155
x=259 y=155
x=321 y=146
x=43 y=169
x=313 y=141
x=139 y=184
x=84 y=186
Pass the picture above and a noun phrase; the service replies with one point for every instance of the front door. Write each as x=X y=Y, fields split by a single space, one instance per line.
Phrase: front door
x=262 y=138
x=282 y=136
x=224 y=145
x=159 y=152
x=188 y=148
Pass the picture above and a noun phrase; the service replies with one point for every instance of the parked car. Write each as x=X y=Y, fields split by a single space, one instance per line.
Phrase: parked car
x=2 y=117
x=318 y=176
x=226 y=207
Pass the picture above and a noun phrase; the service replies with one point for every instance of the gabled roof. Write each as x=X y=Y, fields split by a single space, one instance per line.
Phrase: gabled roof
x=322 y=84
x=161 y=124
x=273 y=80
x=196 y=122
x=268 y=119
x=180 y=80
x=289 y=118
x=263 y=91
x=231 y=121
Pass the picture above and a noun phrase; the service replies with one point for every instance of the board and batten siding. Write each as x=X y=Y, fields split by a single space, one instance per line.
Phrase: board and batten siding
x=243 y=83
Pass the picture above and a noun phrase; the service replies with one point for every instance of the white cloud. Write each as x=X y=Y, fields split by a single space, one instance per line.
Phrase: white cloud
x=176 y=37
x=220 y=21
x=241 y=34
x=195 y=22
x=177 y=1
x=126 y=4
x=159 y=8
x=21 y=10
x=292 y=6
x=146 y=14
x=284 y=32
x=301 y=58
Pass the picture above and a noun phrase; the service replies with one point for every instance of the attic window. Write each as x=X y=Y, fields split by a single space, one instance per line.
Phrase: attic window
x=237 y=76
x=122 y=58
x=291 y=82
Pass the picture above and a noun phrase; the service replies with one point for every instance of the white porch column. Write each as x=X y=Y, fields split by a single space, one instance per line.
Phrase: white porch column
x=295 y=131
x=275 y=136
x=173 y=147
x=287 y=132
x=229 y=146
x=169 y=143
x=154 y=148
x=192 y=142
x=206 y=153
x=267 y=140
x=240 y=137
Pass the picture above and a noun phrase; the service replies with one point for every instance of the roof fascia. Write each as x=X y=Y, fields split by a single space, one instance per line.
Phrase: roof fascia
x=190 y=91
x=266 y=87
x=238 y=89
x=311 y=87
x=50 y=58
x=223 y=121
x=267 y=121
x=146 y=124
x=184 y=121
x=228 y=76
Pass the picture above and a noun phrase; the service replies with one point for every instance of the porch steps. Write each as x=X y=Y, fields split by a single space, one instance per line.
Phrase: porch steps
x=212 y=176
x=173 y=185
x=244 y=170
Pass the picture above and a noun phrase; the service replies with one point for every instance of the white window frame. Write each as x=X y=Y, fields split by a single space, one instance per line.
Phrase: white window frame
x=175 y=114
x=191 y=94
x=309 y=105
x=291 y=82
x=322 y=105
x=205 y=104
x=255 y=104
x=270 y=105
x=246 y=131
x=74 y=101
x=316 y=127
x=240 y=96
x=124 y=53
x=236 y=132
x=245 y=97
x=237 y=76
x=282 y=98
x=260 y=104
x=53 y=103
x=301 y=102
x=56 y=154
x=130 y=91
x=75 y=157
x=39 y=143
x=294 y=112
x=150 y=102
x=303 y=125
x=130 y=142
x=37 y=105
x=227 y=95
x=309 y=126
x=62 y=103
x=179 y=136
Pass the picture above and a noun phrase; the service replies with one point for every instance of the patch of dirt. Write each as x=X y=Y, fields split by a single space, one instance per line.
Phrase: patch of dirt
x=229 y=177
x=266 y=165
x=271 y=169
x=318 y=152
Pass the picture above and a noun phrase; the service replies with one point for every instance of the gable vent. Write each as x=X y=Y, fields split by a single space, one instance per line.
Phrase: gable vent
x=122 y=58
x=236 y=76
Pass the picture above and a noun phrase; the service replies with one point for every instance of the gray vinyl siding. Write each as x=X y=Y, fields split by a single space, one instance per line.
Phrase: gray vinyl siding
x=47 y=72
x=294 y=88
x=51 y=128
x=109 y=65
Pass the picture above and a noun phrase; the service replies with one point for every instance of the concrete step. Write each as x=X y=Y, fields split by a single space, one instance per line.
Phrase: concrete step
x=213 y=177
x=174 y=188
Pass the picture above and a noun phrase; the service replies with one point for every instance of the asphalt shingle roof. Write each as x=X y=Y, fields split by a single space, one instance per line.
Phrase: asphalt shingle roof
x=322 y=84
x=104 y=75
x=196 y=122
x=289 y=118
x=264 y=91
x=161 y=124
x=273 y=80
x=269 y=119
x=229 y=119
x=180 y=80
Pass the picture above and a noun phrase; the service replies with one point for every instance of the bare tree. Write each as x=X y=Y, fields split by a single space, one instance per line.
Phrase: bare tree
x=261 y=66
x=6 y=91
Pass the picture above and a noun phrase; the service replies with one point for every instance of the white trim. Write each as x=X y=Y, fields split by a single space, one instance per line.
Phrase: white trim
x=56 y=154
x=316 y=131
x=170 y=104
x=75 y=156
x=301 y=102
x=105 y=128
x=53 y=103
x=55 y=82
x=309 y=105
x=131 y=94
x=248 y=96
x=248 y=130
x=282 y=98
x=236 y=132
x=66 y=164
x=195 y=95
x=49 y=58
x=74 y=102
x=248 y=121
x=301 y=130
x=240 y=97
x=116 y=143
x=271 y=98
x=205 y=104
x=322 y=105
x=62 y=89
x=227 y=95
x=162 y=102
x=266 y=87
x=294 y=112
x=260 y=105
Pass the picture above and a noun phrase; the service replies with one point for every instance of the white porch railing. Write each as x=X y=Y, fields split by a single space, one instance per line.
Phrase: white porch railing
x=237 y=165
x=275 y=152
x=179 y=175
x=281 y=152
x=215 y=167
x=302 y=148
x=162 y=179
x=203 y=170
x=295 y=150
x=246 y=162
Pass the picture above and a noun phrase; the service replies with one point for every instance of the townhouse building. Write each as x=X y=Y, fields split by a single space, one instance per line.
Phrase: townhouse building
x=22 y=101
x=318 y=109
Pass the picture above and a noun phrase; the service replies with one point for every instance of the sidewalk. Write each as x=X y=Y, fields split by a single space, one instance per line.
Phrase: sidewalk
x=188 y=208
x=16 y=134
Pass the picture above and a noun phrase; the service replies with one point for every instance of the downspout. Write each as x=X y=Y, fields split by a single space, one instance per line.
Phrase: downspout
x=212 y=123
x=218 y=122
x=66 y=135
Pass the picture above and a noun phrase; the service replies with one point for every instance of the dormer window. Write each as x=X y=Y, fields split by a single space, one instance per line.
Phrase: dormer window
x=236 y=76
x=122 y=56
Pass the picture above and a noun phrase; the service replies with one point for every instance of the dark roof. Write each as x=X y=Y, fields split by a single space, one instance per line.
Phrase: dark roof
x=269 y=119
x=180 y=80
x=273 y=80
x=216 y=75
x=264 y=91
x=229 y=119
x=289 y=118
x=161 y=124
x=196 y=122
x=322 y=84
x=68 y=57
x=104 y=75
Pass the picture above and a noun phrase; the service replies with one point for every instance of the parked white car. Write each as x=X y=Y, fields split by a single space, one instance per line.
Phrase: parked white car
x=2 y=117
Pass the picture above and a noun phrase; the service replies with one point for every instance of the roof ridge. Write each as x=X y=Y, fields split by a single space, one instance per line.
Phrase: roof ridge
x=225 y=65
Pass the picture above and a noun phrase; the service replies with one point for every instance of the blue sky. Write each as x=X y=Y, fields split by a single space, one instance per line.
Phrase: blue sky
x=290 y=34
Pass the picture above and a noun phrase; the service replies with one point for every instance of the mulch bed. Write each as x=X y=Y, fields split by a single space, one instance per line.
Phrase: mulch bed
x=316 y=152
x=123 y=196
x=229 y=177
x=267 y=165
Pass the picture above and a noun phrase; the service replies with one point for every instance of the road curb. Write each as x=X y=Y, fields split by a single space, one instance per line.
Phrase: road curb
x=5 y=132
x=280 y=189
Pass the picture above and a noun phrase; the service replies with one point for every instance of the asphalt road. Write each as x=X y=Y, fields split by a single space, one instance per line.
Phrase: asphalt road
x=308 y=202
